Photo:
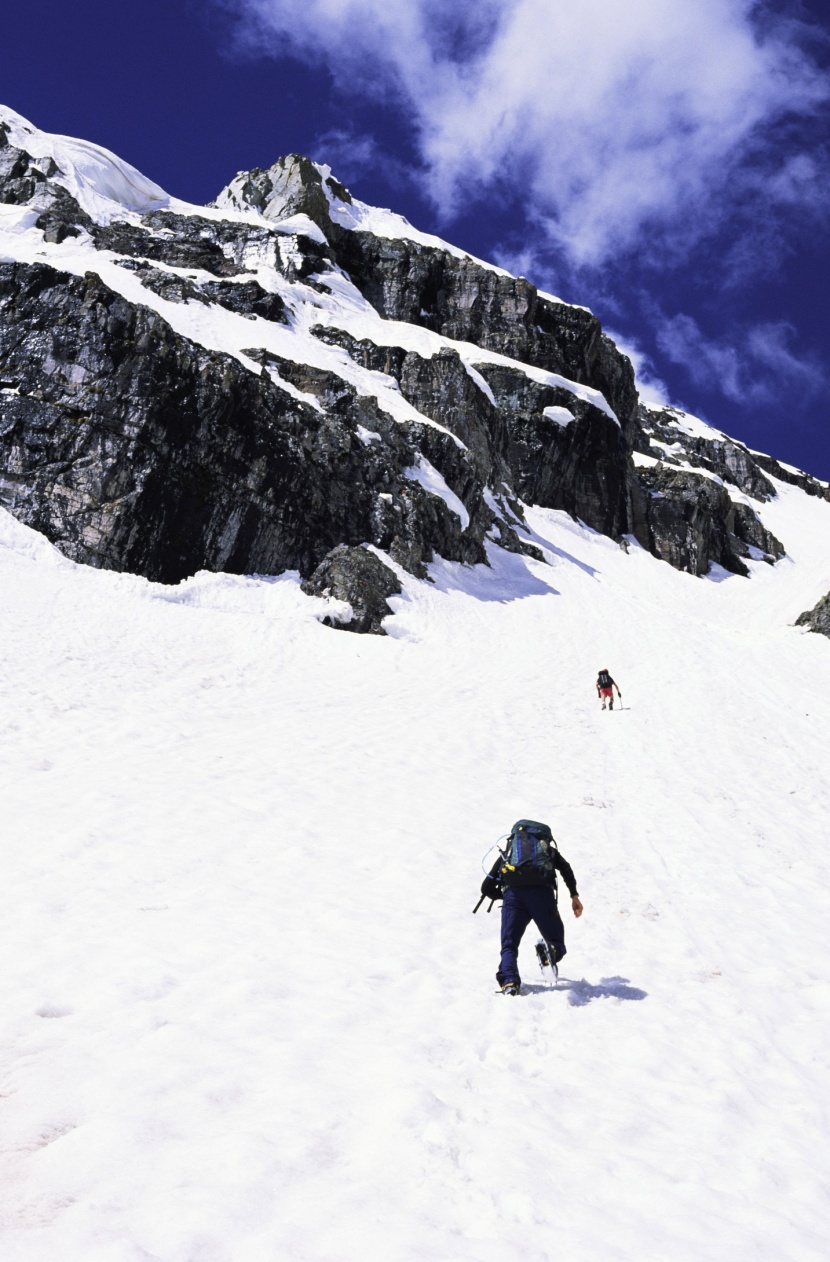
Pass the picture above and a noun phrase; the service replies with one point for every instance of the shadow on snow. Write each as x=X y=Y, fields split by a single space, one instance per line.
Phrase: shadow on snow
x=584 y=992
x=547 y=544
x=507 y=577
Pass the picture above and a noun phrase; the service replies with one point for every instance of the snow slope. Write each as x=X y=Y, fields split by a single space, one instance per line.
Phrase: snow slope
x=247 y=1014
x=103 y=184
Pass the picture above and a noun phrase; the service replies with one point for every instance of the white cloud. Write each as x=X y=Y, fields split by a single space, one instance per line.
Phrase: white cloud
x=649 y=385
x=754 y=369
x=349 y=153
x=616 y=121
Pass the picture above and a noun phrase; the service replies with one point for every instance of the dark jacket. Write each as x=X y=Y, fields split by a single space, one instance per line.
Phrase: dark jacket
x=492 y=885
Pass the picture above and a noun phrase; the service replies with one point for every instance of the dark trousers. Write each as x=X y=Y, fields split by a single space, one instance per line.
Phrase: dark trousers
x=520 y=906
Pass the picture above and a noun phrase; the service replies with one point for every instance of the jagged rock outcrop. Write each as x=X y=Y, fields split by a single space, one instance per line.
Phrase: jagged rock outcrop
x=550 y=447
x=795 y=477
x=563 y=452
x=185 y=388
x=360 y=578
x=818 y=618
x=24 y=177
x=132 y=448
x=436 y=289
x=691 y=519
x=460 y=299
x=732 y=462
x=582 y=468
x=691 y=522
x=294 y=185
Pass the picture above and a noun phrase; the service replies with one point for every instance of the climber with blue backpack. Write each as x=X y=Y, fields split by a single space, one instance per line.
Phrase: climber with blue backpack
x=524 y=877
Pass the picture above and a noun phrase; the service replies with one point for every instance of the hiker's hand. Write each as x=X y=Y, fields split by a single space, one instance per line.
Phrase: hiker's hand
x=577 y=906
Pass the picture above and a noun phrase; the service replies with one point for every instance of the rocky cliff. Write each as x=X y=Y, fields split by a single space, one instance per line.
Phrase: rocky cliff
x=252 y=385
x=818 y=618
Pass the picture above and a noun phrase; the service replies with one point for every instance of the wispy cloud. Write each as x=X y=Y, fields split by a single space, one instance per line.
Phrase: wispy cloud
x=616 y=144
x=759 y=365
x=618 y=122
x=351 y=153
x=650 y=387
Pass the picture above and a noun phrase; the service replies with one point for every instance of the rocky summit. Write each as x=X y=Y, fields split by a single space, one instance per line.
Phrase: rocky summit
x=274 y=380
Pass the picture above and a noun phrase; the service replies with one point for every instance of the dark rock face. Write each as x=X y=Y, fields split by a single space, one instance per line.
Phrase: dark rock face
x=25 y=180
x=460 y=299
x=580 y=466
x=22 y=177
x=578 y=463
x=193 y=250
x=133 y=447
x=223 y=249
x=441 y=388
x=730 y=461
x=747 y=528
x=246 y=298
x=794 y=477
x=359 y=577
x=691 y=520
x=817 y=619
x=292 y=186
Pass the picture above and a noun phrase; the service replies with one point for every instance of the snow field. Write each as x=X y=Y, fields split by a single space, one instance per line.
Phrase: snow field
x=248 y=1014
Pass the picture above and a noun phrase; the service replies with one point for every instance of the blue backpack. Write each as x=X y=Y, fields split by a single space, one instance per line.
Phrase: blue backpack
x=529 y=856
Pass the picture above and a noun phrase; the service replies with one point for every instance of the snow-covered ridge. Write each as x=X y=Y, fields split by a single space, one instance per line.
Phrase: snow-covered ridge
x=361 y=217
x=218 y=329
x=267 y=276
x=344 y=210
x=703 y=434
x=102 y=183
x=106 y=187
x=685 y=422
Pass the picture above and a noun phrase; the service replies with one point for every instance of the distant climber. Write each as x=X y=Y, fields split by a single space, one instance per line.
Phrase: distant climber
x=605 y=689
x=524 y=876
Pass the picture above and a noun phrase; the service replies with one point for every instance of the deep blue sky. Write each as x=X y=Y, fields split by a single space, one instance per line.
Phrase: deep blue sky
x=167 y=86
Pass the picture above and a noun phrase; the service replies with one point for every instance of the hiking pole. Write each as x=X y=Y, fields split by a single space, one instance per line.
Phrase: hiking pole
x=490 y=874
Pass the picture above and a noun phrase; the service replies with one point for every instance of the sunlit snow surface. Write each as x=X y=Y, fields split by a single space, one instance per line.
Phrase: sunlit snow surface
x=104 y=184
x=247 y=1014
